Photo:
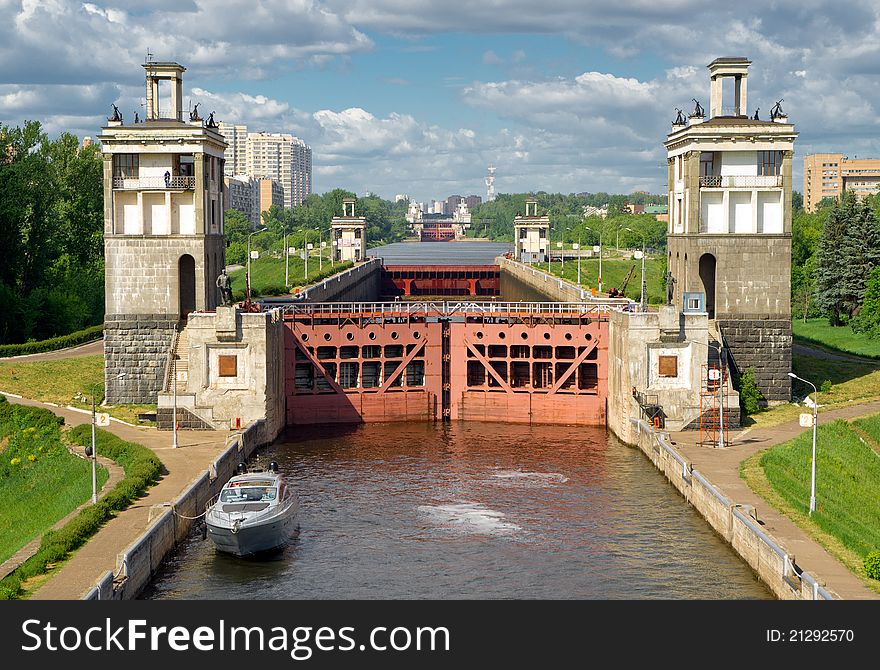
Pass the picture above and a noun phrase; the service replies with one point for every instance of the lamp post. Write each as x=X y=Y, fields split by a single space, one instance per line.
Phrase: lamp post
x=644 y=287
x=286 y=263
x=600 y=256
x=258 y=230
x=579 y=258
x=320 y=249
x=94 y=454
x=174 y=358
x=815 y=421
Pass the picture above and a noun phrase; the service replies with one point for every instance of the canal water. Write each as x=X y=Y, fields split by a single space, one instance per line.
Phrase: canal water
x=471 y=510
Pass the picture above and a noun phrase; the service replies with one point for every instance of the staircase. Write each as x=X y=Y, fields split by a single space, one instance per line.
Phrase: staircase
x=188 y=415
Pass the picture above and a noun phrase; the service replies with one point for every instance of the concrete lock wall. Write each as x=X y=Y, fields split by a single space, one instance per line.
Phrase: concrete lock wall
x=636 y=341
x=135 y=353
x=775 y=566
x=554 y=288
x=170 y=524
x=362 y=283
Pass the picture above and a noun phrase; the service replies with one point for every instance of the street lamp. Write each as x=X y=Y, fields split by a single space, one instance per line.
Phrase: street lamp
x=258 y=230
x=286 y=263
x=815 y=421
x=600 y=256
x=644 y=287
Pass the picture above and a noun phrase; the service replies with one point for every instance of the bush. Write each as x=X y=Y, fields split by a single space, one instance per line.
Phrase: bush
x=872 y=564
x=142 y=469
x=826 y=386
x=62 y=342
x=750 y=397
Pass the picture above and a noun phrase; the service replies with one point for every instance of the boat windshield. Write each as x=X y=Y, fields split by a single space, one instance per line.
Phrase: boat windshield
x=248 y=493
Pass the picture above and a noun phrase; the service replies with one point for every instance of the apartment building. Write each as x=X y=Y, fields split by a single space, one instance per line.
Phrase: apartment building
x=829 y=175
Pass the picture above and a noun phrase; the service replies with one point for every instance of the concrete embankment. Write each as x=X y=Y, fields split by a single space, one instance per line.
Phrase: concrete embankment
x=138 y=563
x=556 y=289
x=735 y=523
x=362 y=283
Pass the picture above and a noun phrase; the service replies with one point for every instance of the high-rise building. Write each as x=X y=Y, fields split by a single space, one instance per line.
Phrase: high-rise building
x=163 y=232
x=472 y=201
x=452 y=203
x=729 y=234
x=285 y=158
x=490 y=183
x=243 y=195
x=271 y=193
x=236 y=150
x=829 y=175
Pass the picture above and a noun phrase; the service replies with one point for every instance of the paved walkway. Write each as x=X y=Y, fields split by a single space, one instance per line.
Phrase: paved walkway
x=79 y=351
x=721 y=467
x=182 y=466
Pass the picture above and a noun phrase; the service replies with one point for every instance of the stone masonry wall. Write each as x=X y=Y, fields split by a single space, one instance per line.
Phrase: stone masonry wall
x=138 y=346
x=765 y=346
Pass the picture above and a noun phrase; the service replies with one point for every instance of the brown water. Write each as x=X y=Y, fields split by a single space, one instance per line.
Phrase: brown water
x=472 y=510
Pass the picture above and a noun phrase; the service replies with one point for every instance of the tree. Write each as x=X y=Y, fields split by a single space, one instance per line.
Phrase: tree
x=860 y=248
x=237 y=226
x=831 y=265
x=868 y=319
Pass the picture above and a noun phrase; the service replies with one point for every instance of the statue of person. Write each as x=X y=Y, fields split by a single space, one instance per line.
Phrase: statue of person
x=194 y=114
x=679 y=119
x=211 y=123
x=137 y=119
x=225 y=287
x=755 y=117
x=167 y=179
x=116 y=116
x=698 y=109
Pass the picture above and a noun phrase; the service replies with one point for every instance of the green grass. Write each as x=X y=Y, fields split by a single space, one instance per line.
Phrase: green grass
x=614 y=271
x=847 y=483
x=840 y=338
x=870 y=426
x=40 y=480
x=851 y=382
x=269 y=272
x=66 y=382
x=142 y=469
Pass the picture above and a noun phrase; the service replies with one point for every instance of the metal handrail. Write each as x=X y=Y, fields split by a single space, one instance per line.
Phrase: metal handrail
x=175 y=182
x=451 y=308
x=740 y=181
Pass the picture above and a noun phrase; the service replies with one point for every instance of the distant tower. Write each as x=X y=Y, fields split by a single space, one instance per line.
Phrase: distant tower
x=163 y=232
x=349 y=234
x=531 y=235
x=490 y=184
x=730 y=226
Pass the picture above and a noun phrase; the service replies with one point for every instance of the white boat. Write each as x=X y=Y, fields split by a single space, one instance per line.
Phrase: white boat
x=255 y=512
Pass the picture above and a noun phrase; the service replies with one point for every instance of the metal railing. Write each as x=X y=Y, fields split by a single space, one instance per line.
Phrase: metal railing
x=737 y=181
x=407 y=308
x=160 y=183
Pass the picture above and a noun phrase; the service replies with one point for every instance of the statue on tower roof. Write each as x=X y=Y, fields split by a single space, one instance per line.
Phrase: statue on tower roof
x=776 y=112
x=116 y=116
x=679 y=119
x=194 y=114
x=211 y=123
x=698 y=109
x=755 y=117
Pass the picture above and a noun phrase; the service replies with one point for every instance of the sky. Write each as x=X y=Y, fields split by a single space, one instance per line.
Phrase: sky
x=418 y=97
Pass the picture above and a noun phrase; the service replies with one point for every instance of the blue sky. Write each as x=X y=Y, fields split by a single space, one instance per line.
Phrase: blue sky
x=418 y=96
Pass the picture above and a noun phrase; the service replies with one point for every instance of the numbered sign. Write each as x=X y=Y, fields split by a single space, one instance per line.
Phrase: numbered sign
x=575 y=246
x=310 y=246
x=291 y=251
x=559 y=245
x=255 y=255
x=714 y=375
x=637 y=255
x=323 y=245
x=597 y=249
x=102 y=419
x=806 y=420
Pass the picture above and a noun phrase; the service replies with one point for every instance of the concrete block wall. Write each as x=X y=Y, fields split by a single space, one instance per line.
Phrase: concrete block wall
x=136 y=345
x=772 y=562
x=763 y=344
x=554 y=288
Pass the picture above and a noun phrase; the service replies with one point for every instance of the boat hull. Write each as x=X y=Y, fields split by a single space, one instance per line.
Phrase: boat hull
x=253 y=538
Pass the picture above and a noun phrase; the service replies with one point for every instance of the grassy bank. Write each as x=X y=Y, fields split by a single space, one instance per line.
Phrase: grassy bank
x=142 y=469
x=841 y=338
x=40 y=480
x=65 y=382
x=850 y=382
x=614 y=271
x=847 y=518
x=53 y=344
x=267 y=275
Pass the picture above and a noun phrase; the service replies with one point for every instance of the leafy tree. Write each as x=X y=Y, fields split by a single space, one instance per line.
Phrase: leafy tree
x=237 y=225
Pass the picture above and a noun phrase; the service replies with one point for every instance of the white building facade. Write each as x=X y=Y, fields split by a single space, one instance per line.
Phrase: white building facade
x=531 y=235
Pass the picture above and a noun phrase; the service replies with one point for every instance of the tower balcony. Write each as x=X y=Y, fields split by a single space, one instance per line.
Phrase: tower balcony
x=736 y=181
x=177 y=183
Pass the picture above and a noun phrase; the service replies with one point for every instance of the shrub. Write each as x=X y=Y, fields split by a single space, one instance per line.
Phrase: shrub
x=750 y=397
x=872 y=564
x=61 y=342
x=826 y=386
x=142 y=469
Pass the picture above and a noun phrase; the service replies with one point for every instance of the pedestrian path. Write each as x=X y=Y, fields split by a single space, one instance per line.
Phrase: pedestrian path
x=721 y=467
x=181 y=467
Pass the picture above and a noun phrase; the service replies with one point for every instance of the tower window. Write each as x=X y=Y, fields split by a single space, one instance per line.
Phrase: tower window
x=125 y=166
x=768 y=163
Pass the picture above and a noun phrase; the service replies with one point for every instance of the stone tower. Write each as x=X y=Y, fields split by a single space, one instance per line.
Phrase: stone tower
x=730 y=224
x=163 y=231
x=531 y=235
